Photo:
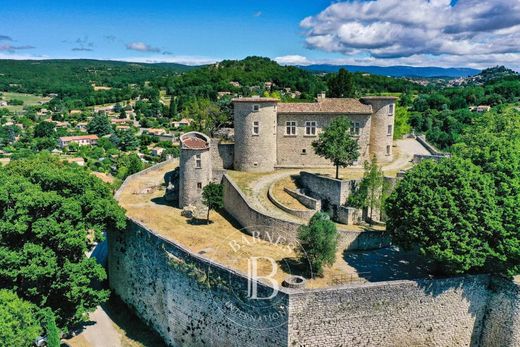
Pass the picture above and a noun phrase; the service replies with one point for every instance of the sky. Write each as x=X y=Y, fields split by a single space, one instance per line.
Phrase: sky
x=448 y=33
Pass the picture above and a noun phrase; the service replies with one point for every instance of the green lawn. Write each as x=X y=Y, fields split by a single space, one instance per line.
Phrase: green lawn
x=28 y=100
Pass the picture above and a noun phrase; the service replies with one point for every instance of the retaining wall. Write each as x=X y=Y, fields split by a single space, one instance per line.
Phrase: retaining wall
x=305 y=214
x=166 y=286
x=305 y=200
x=188 y=299
x=237 y=206
x=321 y=187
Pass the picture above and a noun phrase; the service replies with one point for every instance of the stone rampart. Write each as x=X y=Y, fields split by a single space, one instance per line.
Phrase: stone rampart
x=188 y=300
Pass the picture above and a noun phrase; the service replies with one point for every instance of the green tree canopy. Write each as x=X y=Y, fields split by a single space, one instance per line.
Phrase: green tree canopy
x=45 y=129
x=50 y=213
x=341 y=85
x=336 y=144
x=99 y=125
x=318 y=241
x=18 y=323
x=213 y=197
x=449 y=210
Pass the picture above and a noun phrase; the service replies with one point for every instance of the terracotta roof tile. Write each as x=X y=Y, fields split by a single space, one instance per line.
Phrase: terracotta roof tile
x=328 y=105
x=82 y=137
x=194 y=143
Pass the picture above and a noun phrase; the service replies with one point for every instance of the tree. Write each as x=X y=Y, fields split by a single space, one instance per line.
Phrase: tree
x=336 y=144
x=50 y=212
x=448 y=210
x=370 y=192
x=51 y=330
x=213 y=197
x=18 y=325
x=125 y=140
x=318 y=242
x=207 y=115
x=493 y=144
x=173 y=110
x=402 y=126
x=45 y=129
x=341 y=85
x=99 y=125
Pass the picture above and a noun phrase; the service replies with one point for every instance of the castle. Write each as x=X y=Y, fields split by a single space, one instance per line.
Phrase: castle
x=271 y=135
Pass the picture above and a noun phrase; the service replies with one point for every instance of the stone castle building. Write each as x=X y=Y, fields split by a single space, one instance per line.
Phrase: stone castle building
x=271 y=135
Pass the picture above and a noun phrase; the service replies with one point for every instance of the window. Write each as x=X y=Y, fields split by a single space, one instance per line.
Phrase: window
x=290 y=128
x=356 y=129
x=256 y=127
x=198 y=161
x=310 y=128
x=391 y=109
x=304 y=151
x=389 y=132
x=388 y=150
x=199 y=185
x=256 y=108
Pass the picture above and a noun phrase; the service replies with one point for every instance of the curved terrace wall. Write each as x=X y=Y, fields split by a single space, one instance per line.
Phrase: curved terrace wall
x=305 y=214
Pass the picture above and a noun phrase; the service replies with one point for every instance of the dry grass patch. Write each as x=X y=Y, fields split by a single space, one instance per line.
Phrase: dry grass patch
x=283 y=197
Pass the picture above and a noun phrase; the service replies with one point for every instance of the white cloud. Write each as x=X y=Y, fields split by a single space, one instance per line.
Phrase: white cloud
x=178 y=59
x=511 y=60
x=471 y=31
x=293 y=60
x=142 y=47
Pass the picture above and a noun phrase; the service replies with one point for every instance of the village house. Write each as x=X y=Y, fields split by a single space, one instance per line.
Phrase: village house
x=183 y=122
x=82 y=140
x=483 y=108
x=154 y=131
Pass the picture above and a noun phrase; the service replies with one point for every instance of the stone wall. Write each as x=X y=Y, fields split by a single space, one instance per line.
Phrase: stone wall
x=440 y=312
x=239 y=208
x=296 y=150
x=187 y=299
x=321 y=187
x=304 y=213
x=502 y=326
x=222 y=154
x=167 y=287
x=305 y=200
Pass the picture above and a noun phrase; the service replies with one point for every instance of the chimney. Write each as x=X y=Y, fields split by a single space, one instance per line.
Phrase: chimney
x=321 y=96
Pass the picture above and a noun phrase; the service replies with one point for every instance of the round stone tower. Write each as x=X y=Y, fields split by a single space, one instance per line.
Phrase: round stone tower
x=255 y=134
x=195 y=168
x=382 y=126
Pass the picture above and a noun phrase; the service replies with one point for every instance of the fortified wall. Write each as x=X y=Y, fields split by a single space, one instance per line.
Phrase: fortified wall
x=191 y=301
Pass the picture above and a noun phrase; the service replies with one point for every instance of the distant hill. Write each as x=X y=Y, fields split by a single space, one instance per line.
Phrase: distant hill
x=492 y=74
x=398 y=71
x=57 y=76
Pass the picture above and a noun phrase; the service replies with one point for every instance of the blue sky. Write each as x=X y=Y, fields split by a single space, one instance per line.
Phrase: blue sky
x=381 y=32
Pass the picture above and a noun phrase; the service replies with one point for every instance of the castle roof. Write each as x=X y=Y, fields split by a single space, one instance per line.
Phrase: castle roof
x=327 y=105
x=255 y=99
x=194 y=140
